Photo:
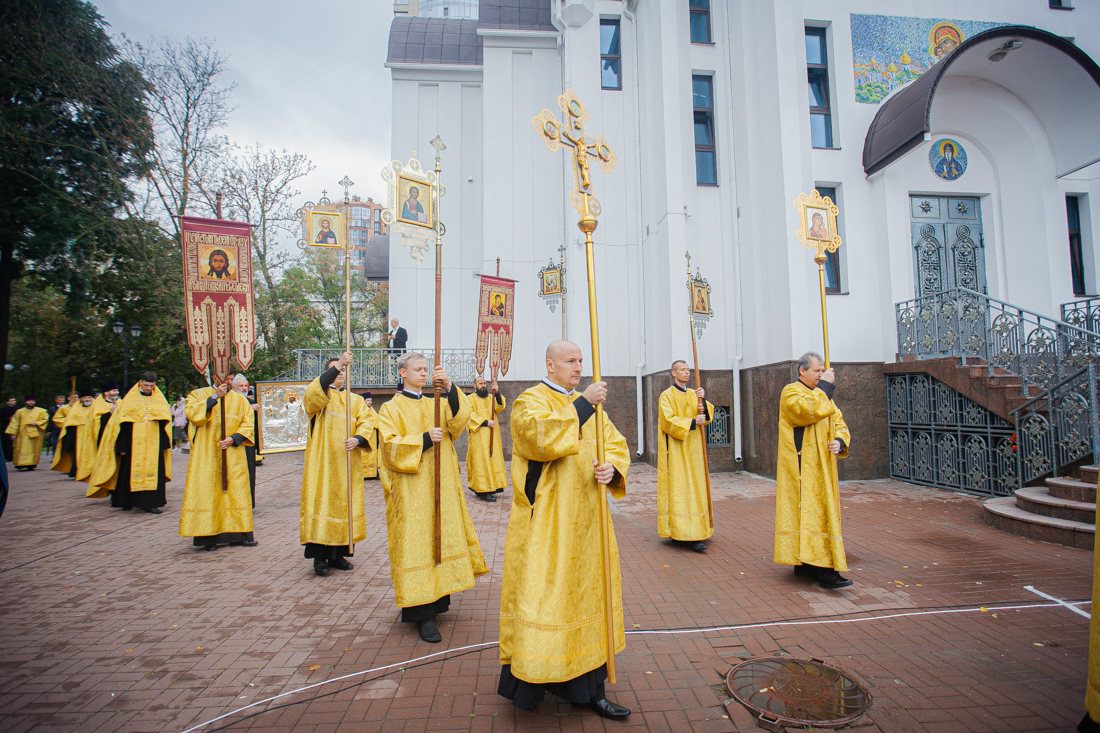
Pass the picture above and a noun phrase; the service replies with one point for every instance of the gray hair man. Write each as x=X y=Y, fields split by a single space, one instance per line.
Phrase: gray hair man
x=252 y=452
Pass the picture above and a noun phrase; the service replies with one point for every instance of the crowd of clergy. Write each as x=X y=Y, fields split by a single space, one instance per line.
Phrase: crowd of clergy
x=552 y=622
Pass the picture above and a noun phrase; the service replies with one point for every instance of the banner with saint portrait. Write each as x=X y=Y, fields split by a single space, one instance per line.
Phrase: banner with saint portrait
x=495 y=311
x=218 y=301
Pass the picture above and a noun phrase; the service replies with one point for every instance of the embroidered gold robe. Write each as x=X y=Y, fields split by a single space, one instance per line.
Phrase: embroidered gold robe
x=71 y=419
x=371 y=455
x=207 y=510
x=88 y=444
x=152 y=431
x=485 y=475
x=323 y=513
x=28 y=425
x=408 y=482
x=682 y=512
x=552 y=623
x=807 y=502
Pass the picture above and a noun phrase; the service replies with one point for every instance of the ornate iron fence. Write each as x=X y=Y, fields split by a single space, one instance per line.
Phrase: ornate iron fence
x=1083 y=314
x=718 y=431
x=1059 y=427
x=378 y=367
x=968 y=324
x=940 y=438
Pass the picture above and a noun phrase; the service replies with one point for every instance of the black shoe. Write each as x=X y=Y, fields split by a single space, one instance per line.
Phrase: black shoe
x=154 y=510
x=249 y=543
x=429 y=632
x=210 y=548
x=698 y=546
x=320 y=567
x=805 y=571
x=340 y=563
x=832 y=580
x=487 y=497
x=127 y=508
x=608 y=709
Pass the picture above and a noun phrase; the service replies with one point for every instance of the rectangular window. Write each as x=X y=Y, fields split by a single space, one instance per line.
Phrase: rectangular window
x=611 y=55
x=1076 y=254
x=817 y=71
x=706 y=163
x=718 y=432
x=832 y=259
x=699 y=20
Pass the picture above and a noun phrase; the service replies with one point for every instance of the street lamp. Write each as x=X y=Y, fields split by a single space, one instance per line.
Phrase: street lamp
x=119 y=329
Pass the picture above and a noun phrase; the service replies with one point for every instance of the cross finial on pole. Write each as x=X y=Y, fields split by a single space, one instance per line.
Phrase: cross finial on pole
x=688 y=256
x=437 y=143
x=347 y=183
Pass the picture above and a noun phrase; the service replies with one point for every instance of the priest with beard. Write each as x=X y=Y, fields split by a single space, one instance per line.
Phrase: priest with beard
x=71 y=420
x=423 y=589
x=213 y=514
x=683 y=512
x=323 y=513
x=28 y=431
x=97 y=416
x=134 y=459
x=552 y=623
x=486 y=474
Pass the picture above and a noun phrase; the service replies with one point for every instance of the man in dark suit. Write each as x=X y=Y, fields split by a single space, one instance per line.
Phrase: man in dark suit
x=398 y=337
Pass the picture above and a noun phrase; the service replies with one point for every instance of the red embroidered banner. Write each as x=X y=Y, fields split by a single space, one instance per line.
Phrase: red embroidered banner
x=494 y=322
x=217 y=283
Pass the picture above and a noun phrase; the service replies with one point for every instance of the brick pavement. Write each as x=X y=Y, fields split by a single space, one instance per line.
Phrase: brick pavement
x=112 y=622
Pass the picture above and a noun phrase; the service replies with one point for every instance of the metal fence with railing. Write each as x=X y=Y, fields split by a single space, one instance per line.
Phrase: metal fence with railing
x=1083 y=314
x=1059 y=427
x=378 y=367
x=970 y=325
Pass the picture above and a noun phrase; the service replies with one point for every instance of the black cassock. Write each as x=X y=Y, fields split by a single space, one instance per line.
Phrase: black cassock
x=122 y=497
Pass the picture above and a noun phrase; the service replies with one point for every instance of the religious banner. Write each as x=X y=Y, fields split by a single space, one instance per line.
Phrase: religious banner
x=494 y=320
x=217 y=283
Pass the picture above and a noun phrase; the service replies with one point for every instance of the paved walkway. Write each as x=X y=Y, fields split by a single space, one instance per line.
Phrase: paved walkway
x=109 y=621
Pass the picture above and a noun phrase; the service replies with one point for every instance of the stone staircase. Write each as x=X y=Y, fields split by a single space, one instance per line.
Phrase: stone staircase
x=1063 y=511
x=1000 y=392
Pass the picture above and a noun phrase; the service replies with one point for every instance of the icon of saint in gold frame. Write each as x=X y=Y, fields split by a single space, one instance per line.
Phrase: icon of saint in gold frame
x=325 y=229
x=414 y=202
x=700 y=298
x=551 y=282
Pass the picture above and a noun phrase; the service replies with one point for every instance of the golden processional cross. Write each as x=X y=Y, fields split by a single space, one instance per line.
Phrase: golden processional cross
x=583 y=149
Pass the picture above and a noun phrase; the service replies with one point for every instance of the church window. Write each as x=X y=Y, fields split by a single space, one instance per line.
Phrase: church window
x=706 y=164
x=1076 y=253
x=832 y=259
x=1061 y=5
x=611 y=55
x=699 y=20
x=817 y=71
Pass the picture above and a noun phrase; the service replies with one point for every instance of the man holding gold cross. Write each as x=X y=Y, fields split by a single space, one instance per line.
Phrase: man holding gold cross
x=682 y=509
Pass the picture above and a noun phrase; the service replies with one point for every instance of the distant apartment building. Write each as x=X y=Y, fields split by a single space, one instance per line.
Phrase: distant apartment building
x=370 y=236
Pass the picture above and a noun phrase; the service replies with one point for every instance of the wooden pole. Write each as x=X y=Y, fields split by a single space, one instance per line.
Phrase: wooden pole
x=820 y=260
x=587 y=224
x=221 y=402
x=702 y=411
x=347 y=369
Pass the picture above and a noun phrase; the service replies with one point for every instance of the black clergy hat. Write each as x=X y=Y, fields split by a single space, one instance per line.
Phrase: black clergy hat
x=108 y=386
x=87 y=393
x=29 y=398
x=367 y=396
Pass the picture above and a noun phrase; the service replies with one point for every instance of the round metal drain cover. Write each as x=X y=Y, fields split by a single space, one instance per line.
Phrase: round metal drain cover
x=781 y=691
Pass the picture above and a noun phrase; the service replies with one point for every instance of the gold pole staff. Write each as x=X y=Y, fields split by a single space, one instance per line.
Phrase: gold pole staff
x=583 y=149
x=347 y=183
x=697 y=318
x=817 y=232
x=437 y=143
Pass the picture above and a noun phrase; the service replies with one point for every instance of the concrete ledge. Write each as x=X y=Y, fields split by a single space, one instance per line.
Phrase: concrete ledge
x=1003 y=514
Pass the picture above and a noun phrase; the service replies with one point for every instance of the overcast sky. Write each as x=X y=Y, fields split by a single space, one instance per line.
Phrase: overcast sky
x=310 y=76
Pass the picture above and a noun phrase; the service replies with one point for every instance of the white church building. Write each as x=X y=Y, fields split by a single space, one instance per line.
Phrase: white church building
x=958 y=139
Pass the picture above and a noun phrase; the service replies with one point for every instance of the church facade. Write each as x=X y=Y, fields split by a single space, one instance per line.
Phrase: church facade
x=958 y=141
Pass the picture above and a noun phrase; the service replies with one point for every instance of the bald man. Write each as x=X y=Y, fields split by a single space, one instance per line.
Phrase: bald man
x=552 y=622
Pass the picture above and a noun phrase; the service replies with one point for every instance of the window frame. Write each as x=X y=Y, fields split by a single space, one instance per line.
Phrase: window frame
x=833 y=257
x=705 y=12
x=1076 y=250
x=821 y=73
x=708 y=115
x=612 y=56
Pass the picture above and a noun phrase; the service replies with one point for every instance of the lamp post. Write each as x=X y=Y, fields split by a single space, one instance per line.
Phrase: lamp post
x=120 y=330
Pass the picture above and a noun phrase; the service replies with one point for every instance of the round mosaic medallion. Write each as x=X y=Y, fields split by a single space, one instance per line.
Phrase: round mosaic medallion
x=947 y=159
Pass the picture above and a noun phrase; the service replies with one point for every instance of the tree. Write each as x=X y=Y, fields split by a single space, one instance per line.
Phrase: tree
x=74 y=136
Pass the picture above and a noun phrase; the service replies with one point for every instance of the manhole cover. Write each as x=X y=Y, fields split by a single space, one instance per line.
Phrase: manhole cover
x=780 y=691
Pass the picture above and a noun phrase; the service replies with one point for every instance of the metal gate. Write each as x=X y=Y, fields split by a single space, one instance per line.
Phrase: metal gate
x=948 y=248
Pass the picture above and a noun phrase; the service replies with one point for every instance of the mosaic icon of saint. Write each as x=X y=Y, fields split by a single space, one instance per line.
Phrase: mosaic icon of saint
x=948 y=168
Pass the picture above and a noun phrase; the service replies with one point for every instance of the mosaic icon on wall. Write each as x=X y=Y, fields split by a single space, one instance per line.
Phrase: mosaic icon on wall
x=889 y=51
x=947 y=159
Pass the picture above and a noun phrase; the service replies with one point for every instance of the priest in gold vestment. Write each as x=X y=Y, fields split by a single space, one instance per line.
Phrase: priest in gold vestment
x=407 y=424
x=371 y=456
x=683 y=509
x=485 y=474
x=807 y=503
x=213 y=515
x=552 y=622
x=98 y=415
x=134 y=460
x=72 y=420
x=323 y=513
x=28 y=430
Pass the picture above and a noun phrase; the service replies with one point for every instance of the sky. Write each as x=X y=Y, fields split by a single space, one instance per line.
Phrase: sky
x=310 y=77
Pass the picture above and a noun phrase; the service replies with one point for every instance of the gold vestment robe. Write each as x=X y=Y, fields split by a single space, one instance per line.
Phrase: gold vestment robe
x=371 y=455
x=90 y=437
x=1092 y=687
x=151 y=420
x=552 y=623
x=807 y=501
x=74 y=418
x=485 y=475
x=28 y=425
x=207 y=510
x=408 y=482
x=682 y=512
x=323 y=513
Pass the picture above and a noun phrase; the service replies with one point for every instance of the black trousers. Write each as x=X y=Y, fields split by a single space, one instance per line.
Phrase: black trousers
x=588 y=687
x=427 y=611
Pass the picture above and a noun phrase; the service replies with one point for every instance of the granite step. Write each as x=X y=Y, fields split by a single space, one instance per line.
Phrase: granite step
x=1037 y=500
x=1065 y=487
x=1003 y=514
x=1089 y=474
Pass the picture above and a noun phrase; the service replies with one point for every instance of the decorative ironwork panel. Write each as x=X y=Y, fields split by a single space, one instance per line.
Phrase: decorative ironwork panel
x=1061 y=426
x=718 y=432
x=940 y=438
x=378 y=367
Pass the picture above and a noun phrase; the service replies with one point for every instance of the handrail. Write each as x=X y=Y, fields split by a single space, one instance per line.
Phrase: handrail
x=1053 y=388
x=377 y=367
x=1084 y=313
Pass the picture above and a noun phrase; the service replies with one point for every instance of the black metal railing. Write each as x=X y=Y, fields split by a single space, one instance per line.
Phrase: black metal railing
x=1059 y=427
x=377 y=367
x=1083 y=314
